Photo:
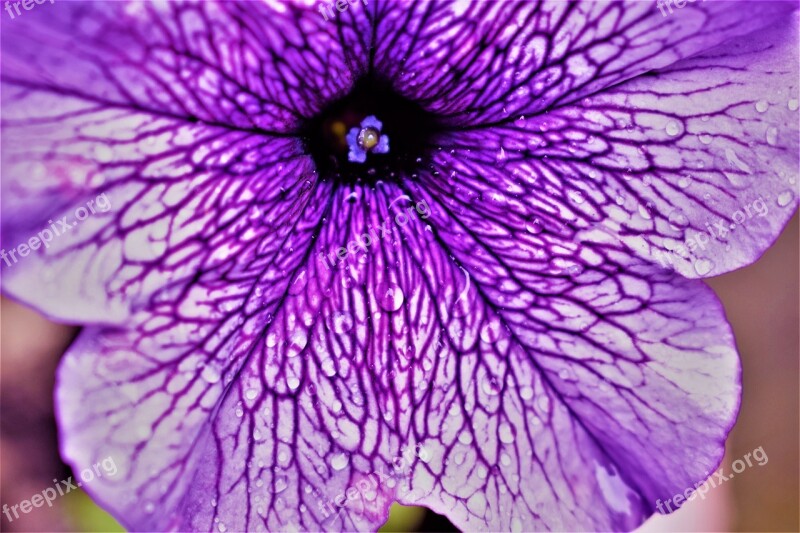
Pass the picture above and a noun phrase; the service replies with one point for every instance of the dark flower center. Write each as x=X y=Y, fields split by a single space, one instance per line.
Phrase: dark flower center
x=407 y=126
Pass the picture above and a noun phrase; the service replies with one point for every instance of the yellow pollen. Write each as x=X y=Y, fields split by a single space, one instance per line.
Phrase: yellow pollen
x=368 y=138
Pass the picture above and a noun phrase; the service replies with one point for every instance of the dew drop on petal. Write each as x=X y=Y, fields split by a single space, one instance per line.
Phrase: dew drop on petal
x=762 y=106
x=491 y=387
x=543 y=402
x=501 y=157
x=705 y=138
x=297 y=343
x=390 y=296
x=491 y=332
x=793 y=104
x=251 y=394
x=328 y=368
x=703 y=266
x=342 y=322
x=506 y=433
x=772 y=136
x=210 y=374
x=298 y=284
x=293 y=382
x=526 y=393
x=279 y=485
x=576 y=197
x=678 y=219
x=339 y=461
x=785 y=198
x=674 y=128
x=684 y=181
x=533 y=226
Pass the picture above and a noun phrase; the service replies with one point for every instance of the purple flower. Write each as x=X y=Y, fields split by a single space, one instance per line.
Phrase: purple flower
x=537 y=353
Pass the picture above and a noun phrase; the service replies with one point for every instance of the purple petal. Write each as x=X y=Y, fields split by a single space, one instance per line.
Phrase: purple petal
x=382 y=146
x=694 y=168
x=191 y=173
x=372 y=122
x=483 y=62
x=357 y=154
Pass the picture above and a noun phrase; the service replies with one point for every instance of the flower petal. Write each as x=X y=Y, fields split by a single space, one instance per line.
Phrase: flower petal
x=183 y=135
x=531 y=396
x=693 y=167
x=479 y=63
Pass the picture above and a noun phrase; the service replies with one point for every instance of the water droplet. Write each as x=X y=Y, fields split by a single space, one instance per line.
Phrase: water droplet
x=785 y=198
x=458 y=458
x=678 y=219
x=465 y=437
x=222 y=527
x=576 y=197
x=506 y=433
x=279 y=485
x=492 y=331
x=272 y=340
x=210 y=374
x=390 y=296
x=520 y=121
x=342 y=322
x=491 y=387
x=533 y=226
x=684 y=181
x=501 y=157
x=543 y=402
x=674 y=128
x=293 y=382
x=251 y=394
x=793 y=104
x=298 y=284
x=297 y=343
x=328 y=368
x=703 y=266
x=339 y=461
x=526 y=393
x=772 y=136
x=705 y=138
x=762 y=106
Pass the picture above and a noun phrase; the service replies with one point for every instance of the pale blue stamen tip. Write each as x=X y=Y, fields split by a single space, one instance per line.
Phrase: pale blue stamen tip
x=367 y=138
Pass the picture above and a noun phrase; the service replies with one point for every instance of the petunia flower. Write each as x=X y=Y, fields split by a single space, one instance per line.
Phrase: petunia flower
x=543 y=336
